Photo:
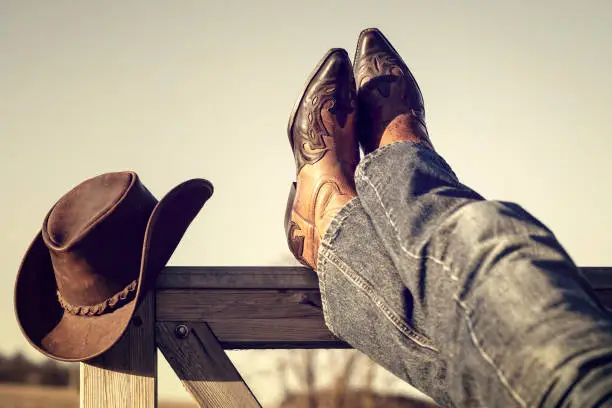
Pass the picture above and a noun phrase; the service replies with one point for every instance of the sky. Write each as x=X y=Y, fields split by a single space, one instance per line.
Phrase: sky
x=518 y=97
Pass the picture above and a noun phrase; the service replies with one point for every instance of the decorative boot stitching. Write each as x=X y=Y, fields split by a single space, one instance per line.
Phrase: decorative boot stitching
x=309 y=144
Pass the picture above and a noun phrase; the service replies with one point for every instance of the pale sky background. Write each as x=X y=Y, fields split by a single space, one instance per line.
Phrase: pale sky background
x=518 y=97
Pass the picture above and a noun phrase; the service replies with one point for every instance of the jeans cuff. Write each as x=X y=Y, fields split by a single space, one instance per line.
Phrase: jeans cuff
x=412 y=150
x=336 y=224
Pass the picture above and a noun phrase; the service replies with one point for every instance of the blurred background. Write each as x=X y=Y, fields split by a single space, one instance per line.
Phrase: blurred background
x=518 y=97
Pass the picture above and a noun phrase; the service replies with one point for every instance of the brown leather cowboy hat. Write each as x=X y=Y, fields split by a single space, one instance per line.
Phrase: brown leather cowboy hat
x=100 y=249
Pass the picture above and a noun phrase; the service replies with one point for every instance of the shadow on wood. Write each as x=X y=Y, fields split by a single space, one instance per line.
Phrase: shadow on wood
x=202 y=366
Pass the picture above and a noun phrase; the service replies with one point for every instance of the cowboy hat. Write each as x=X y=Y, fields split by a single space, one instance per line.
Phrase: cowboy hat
x=100 y=249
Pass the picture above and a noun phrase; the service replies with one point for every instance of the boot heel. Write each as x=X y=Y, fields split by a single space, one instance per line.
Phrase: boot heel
x=289 y=208
x=294 y=240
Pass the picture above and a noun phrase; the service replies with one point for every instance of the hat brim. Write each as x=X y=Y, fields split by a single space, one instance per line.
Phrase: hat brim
x=67 y=337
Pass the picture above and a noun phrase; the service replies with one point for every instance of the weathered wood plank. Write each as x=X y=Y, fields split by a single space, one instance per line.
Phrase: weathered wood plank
x=237 y=277
x=310 y=332
x=286 y=277
x=605 y=296
x=202 y=366
x=250 y=304
x=126 y=375
x=252 y=318
x=204 y=305
x=598 y=277
x=269 y=307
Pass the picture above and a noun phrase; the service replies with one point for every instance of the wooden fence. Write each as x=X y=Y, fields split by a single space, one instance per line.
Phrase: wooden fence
x=197 y=312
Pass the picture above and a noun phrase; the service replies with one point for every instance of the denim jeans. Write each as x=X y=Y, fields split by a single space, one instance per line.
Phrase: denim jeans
x=473 y=302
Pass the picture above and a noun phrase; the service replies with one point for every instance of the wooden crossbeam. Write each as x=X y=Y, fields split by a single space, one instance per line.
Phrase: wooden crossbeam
x=288 y=277
x=196 y=312
x=202 y=366
x=238 y=277
x=248 y=307
x=252 y=318
x=269 y=307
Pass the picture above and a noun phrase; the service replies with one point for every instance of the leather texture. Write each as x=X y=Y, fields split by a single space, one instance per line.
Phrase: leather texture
x=386 y=89
x=322 y=135
x=99 y=251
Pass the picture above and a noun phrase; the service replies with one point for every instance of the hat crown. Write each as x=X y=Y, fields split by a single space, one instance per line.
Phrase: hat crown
x=95 y=236
x=85 y=204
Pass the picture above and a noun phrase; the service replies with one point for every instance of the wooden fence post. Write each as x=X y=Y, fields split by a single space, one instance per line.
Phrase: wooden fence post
x=126 y=375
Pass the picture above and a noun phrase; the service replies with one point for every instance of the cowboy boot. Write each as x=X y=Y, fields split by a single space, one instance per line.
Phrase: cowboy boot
x=390 y=103
x=322 y=135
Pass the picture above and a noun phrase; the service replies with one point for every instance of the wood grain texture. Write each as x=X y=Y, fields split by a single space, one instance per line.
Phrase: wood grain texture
x=252 y=307
x=598 y=277
x=605 y=296
x=275 y=333
x=286 y=277
x=126 y=375
x=203 y=367
x=204 y=305
x=237 y=277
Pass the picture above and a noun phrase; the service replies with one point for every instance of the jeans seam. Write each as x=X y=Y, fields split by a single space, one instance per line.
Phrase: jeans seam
x=323 y=291
x=329 y=236
x=452 y=275
x=461 y=304
x=467 y=313
x=379 y=302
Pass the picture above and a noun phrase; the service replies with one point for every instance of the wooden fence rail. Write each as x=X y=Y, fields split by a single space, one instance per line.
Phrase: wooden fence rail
x=196 y=312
